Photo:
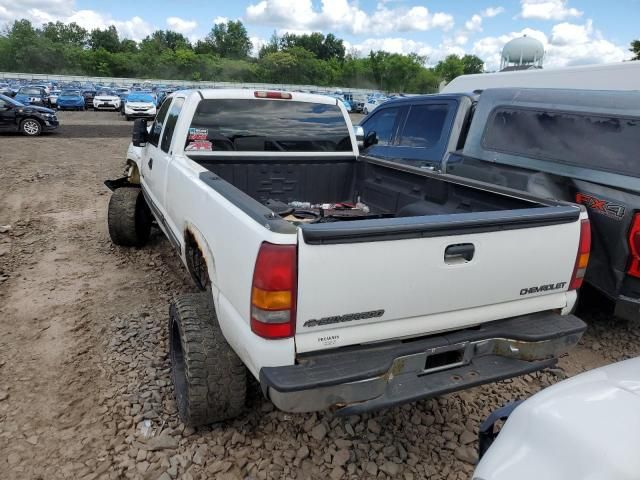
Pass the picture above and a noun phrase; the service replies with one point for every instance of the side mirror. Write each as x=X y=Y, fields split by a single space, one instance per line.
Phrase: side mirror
x=140 y=133
x=359 y=131
x=370 y=139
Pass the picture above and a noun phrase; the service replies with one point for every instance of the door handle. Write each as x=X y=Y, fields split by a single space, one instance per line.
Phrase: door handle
x=459 y=253
x=150 y=163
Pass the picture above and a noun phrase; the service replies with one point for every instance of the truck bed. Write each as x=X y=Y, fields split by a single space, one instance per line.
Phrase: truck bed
x=387 y=189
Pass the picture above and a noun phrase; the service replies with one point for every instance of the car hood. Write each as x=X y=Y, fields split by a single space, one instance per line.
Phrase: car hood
x=106 y=97
x=33 y=108
x=585 y=427
x=71 y=97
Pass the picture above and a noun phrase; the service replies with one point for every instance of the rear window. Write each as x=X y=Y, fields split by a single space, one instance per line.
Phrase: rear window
x=590 y=141
x=267 y=126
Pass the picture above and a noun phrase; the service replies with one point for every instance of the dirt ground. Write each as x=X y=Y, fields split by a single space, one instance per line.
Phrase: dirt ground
x=83 y=353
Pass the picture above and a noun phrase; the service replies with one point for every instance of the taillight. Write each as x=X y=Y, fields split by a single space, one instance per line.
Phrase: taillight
x=582 y=259
x=278 y=95
x=273 y=292
x=634 y=247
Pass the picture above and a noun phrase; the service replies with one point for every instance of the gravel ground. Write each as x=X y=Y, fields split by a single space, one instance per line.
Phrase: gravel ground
x=84 y=374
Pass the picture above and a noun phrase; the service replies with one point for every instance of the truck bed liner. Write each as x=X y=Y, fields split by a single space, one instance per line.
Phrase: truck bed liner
x=388 y=189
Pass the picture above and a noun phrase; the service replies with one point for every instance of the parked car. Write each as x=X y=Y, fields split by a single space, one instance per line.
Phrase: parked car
x=122 y=93
x=564 y=144
x=31 y=120
x=106 y=100
x=585 y=427
x=372 y=104
x=345 y=103
x=71 y=100
x=140 y=105
x=53 y=98
x=88 y=95
x=32 y=96
x=470 y=290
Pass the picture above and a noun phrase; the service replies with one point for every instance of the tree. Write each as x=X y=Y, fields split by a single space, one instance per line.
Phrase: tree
x=311 y=59
x=272 y=47
x=67 y=34
x=450 y=68
x=324 y=48
x=635 y=49
x=472 y=64
x=106 y=39
x=229 y=40
x=161 y=40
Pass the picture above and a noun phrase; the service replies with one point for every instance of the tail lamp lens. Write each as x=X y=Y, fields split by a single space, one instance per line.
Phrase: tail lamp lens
x=582 y=259
x=634 y=247
x=273 y=293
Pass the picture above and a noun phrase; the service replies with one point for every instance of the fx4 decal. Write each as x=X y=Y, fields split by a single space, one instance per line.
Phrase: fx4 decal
x=602 y=207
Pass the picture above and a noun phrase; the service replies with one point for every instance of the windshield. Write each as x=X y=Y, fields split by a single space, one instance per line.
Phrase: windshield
x=30 y=91
x=139 y=97
x=106 y=93
x=268 y=126
x=70 y=93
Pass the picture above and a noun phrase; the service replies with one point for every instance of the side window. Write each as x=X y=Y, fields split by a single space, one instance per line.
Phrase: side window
x=424 y=125
x=382 y=122
x=172 y=119
x=587 y=140
x=156 y=128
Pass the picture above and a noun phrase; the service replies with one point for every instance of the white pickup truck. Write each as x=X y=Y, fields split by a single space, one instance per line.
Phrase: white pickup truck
x=339 y=281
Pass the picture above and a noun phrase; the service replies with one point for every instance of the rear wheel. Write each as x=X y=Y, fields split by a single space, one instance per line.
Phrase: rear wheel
x=129 y=218
x=209 y=379
x=31 y=127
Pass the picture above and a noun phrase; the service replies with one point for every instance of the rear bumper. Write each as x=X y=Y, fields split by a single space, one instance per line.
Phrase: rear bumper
x=356 y=380
x=627 y=308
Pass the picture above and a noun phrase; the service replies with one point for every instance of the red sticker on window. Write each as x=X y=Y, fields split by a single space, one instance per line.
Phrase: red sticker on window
x=199 y=146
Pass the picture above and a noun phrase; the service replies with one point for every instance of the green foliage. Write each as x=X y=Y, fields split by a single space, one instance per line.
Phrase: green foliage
x=472 y=64
x=229 y=40
x=635 y=49
x=224 y=55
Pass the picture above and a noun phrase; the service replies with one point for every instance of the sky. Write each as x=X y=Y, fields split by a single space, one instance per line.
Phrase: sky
x=574 y=32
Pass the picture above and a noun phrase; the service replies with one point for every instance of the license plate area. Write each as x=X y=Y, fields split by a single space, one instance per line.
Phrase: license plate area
x=451 y=356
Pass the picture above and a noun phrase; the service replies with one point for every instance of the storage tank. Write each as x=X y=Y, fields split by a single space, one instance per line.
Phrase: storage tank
x=522 y=54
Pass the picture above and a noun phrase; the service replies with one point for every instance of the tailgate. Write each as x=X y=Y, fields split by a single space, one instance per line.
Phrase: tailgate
x=374 y=280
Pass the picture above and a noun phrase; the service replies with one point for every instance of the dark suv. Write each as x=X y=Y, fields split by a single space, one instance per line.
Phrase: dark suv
x=28 y=119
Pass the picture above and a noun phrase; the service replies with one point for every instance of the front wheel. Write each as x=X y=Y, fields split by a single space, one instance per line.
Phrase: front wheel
x=209 y=379
x=129 y=218
x=31 y=127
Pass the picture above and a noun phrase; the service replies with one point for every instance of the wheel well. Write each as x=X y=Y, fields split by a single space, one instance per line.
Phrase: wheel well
x=133 y=173
x=196 y=261
x=32 y=118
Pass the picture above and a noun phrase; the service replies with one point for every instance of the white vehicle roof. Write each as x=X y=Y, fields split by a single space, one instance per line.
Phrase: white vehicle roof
x=586 y=427
x=613 y=76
